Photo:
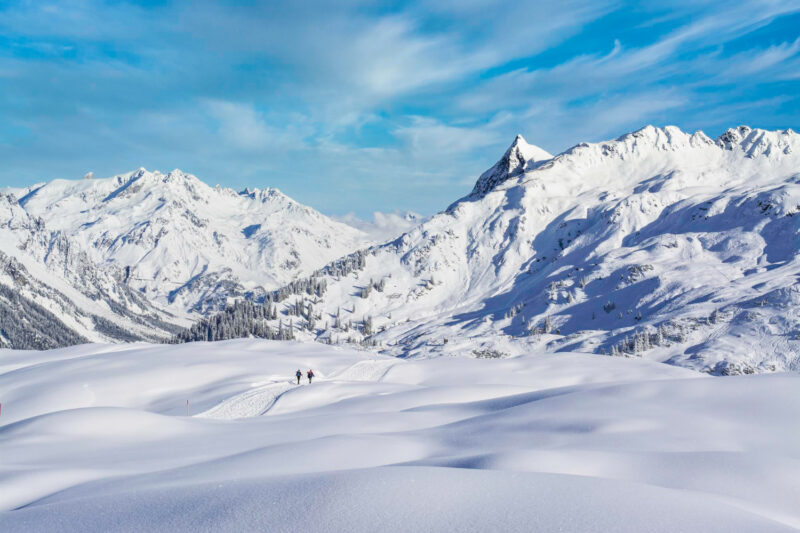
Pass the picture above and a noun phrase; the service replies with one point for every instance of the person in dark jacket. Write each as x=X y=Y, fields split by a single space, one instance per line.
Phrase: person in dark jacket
x=310 y=374
x=299 y=375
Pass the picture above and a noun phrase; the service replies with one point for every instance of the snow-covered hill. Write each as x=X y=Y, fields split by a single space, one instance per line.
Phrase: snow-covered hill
x=187 y=245
x=96 y=438
x=661 y=244
x=51 y=294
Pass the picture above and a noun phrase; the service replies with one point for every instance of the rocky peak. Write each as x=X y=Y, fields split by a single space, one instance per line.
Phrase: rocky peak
x=519 y=156
x=755 y=142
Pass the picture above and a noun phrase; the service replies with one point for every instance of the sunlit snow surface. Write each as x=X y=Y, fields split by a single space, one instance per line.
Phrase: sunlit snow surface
x=96 y=438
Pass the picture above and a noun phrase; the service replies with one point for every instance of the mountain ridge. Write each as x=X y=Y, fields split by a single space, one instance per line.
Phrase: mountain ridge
x=660 y=243
x=187 y=245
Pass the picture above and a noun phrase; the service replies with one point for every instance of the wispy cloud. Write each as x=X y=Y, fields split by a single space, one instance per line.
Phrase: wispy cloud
x=591 y=95
x=427 y=137
x=780 y=61
x=242 y=127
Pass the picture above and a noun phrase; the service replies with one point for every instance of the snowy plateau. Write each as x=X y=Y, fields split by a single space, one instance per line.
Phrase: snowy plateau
x=499 y=366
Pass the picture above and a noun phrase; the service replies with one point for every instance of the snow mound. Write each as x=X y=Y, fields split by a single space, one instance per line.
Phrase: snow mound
x=396 y=499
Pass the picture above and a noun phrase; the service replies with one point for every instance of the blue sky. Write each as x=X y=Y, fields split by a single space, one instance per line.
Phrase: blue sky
x=353 y=107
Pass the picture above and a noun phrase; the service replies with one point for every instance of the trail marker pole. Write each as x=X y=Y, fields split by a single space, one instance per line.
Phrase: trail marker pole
x=187 y=407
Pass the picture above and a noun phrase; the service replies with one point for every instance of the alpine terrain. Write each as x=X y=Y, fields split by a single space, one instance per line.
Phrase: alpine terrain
x=52 y=294
x=186 y=245
x=660 y=244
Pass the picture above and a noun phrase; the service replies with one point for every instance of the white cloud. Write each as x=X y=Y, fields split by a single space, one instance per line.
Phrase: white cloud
x=782 y=61
x=242 y=127
x=430 y=138
x=385 y=226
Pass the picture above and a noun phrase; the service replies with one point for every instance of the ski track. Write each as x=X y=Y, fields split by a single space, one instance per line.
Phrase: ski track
x=372 y=370
x=258 y=401
x=253 y=402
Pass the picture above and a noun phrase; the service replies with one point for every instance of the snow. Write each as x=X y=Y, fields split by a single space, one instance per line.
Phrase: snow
x=95 y=438
x=189 y=245
x=658 y=232
x=53 y=271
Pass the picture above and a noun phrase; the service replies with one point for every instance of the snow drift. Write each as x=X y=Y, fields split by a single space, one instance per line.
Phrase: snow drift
x=95 y=438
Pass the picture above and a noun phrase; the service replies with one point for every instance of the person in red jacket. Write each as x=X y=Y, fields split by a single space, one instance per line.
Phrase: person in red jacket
x=310 y=374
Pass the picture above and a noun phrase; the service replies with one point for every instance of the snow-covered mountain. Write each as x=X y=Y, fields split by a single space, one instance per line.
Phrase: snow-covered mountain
x=51 y=294
x=662 y=244
x=186 y=245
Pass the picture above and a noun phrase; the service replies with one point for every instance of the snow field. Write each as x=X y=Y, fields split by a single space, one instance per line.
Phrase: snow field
x=565 y=442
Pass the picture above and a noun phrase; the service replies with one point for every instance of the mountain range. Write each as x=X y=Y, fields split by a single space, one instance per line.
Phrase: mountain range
x=659 y=244
x=185 y=245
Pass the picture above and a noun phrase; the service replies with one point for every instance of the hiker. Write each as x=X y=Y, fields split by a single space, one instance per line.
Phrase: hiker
x=310 y=374
x=299 y=375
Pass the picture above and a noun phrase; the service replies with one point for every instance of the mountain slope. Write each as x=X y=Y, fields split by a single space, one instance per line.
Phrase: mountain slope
x=187 y=245
x=661 y=244
x=52 y=295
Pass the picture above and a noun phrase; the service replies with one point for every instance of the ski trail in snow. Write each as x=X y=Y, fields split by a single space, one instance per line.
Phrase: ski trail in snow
x=372 y=370
x=253 y=402
x=257 y=401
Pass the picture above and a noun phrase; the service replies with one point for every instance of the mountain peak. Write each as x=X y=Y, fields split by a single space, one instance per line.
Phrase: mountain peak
x=529 y=152
x=754 y=141
x=264 y=195
x=519 y=156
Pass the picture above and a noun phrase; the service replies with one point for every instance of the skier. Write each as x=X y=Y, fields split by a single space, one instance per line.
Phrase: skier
x=299 y=375
x=310 y=374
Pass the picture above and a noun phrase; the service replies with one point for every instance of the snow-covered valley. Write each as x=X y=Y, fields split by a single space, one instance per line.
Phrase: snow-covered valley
x=96 y=438
x=420 y=266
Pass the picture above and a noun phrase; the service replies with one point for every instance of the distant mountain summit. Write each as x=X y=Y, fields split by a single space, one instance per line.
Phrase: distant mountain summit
x=660 y=244
x=186 y=245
